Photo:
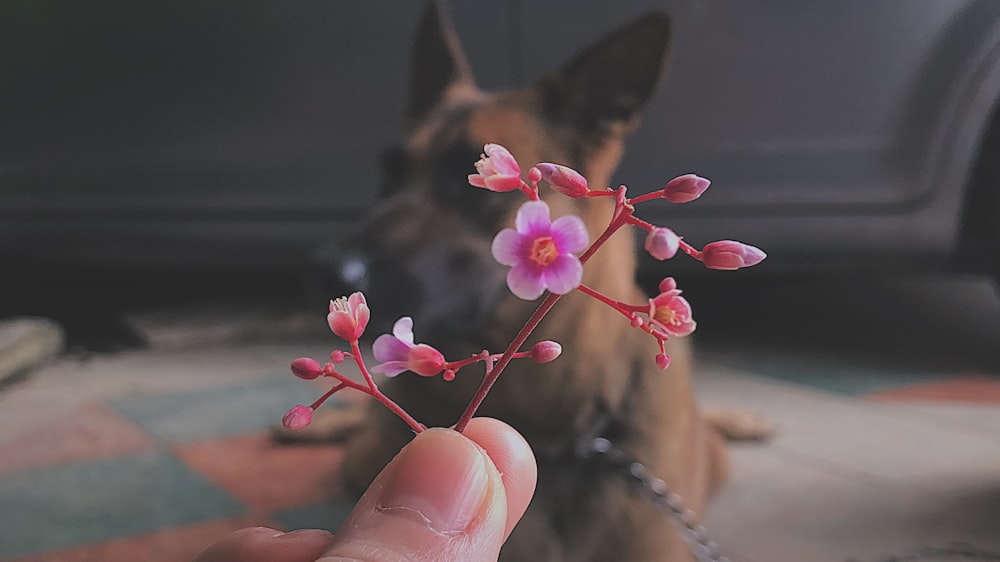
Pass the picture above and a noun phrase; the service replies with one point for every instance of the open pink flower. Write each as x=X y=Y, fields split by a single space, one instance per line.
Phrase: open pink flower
x=670 y=314
x=349 y=316
x=498 y=171
x=397 y=352
x=541 y=252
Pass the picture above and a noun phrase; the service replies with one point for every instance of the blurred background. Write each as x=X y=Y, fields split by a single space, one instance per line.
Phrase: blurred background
x=167 y=170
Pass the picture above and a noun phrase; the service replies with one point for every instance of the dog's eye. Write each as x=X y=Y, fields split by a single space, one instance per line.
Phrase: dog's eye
x=394 y=163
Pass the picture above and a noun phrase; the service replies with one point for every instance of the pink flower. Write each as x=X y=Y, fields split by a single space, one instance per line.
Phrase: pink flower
x=498 y=171
x=565 y=180
x=545 y=351
x=306 y=368
x=541 y=252
x=398 y=353
x=670 y=314
x=349 y=316
x=686 y=188
x=298 y=417
x=730 y=254
x=662 y=243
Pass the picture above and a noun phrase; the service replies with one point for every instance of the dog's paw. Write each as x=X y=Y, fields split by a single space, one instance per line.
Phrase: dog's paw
x=740 y=425
x=329 y=425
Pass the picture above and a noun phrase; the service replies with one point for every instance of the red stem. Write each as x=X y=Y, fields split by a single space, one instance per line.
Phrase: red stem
x=625 y=308
x=658 y=194
x=356 y=354
x=621 y=214
x=373 y=390
x=690 y=250
x=329 y=393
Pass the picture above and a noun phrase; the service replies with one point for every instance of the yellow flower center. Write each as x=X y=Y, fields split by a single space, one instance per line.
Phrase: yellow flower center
x=666 y=316
x=544 y=251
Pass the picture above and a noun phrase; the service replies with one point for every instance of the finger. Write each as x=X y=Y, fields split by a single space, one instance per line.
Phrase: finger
x=441 y=499
x=260 y=544
x=513 y=458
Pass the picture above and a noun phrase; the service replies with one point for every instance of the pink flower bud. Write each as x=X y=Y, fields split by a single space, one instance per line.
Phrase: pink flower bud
x=662 y=360
x=448 y=375
x=337 y=356
x=668 y=284
x=565 y=180
x=662 y=243
x=686 y=188
x=349 y=316
x=635 y=321
x=534 y=174
x=545 y=351
x=498 y=171
x=306 y=368
x=730 y=255
x=297 y=418
x=424 y=360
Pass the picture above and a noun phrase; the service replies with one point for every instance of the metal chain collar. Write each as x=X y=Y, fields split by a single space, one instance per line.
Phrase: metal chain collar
x=702 y=547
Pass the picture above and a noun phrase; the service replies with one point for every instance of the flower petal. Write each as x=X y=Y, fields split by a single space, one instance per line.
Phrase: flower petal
x=570 y=234
x=390 y=348
x=525 y=282
x=502 y=184
x=477 y=180
x=403 y=329
x=390 y=368
x=508 y=247
x=564 y=274
x=503 y=161
x=533 y=218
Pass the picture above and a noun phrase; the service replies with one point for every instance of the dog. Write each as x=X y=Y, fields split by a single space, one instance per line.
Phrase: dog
x=425 y=252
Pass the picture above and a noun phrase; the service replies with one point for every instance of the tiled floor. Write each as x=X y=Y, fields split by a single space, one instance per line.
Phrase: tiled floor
x=152 y=455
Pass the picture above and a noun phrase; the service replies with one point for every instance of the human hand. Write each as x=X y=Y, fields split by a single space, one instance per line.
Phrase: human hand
x=444 y=498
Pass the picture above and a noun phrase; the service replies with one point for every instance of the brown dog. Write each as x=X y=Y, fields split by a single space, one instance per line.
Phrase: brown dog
x=426 y=253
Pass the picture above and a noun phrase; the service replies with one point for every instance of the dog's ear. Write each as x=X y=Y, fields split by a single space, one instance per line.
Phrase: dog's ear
x=438 y=63
x=610 y=81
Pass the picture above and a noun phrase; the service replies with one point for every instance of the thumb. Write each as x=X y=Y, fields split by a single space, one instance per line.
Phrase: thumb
x=441 y=499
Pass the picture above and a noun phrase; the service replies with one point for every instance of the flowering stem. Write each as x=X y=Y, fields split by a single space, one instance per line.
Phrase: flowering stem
x=625 y=308
x=634 y=220
x=329 y=393
x=690 y=250
x=658 y=194
x=416 y=426
x=493 y=374
x=356 y=355
x=621 y=214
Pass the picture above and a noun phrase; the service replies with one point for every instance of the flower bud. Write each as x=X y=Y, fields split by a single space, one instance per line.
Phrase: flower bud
x=306 y=368
x=730 y=254
x=662 y=360
x=545 y=351
x=662 y=243
x=424 y=360
x=565 y=180
x=534 y=174
x=297 y=418
x=686 y=188
x=668 y=284
x=337 y=356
